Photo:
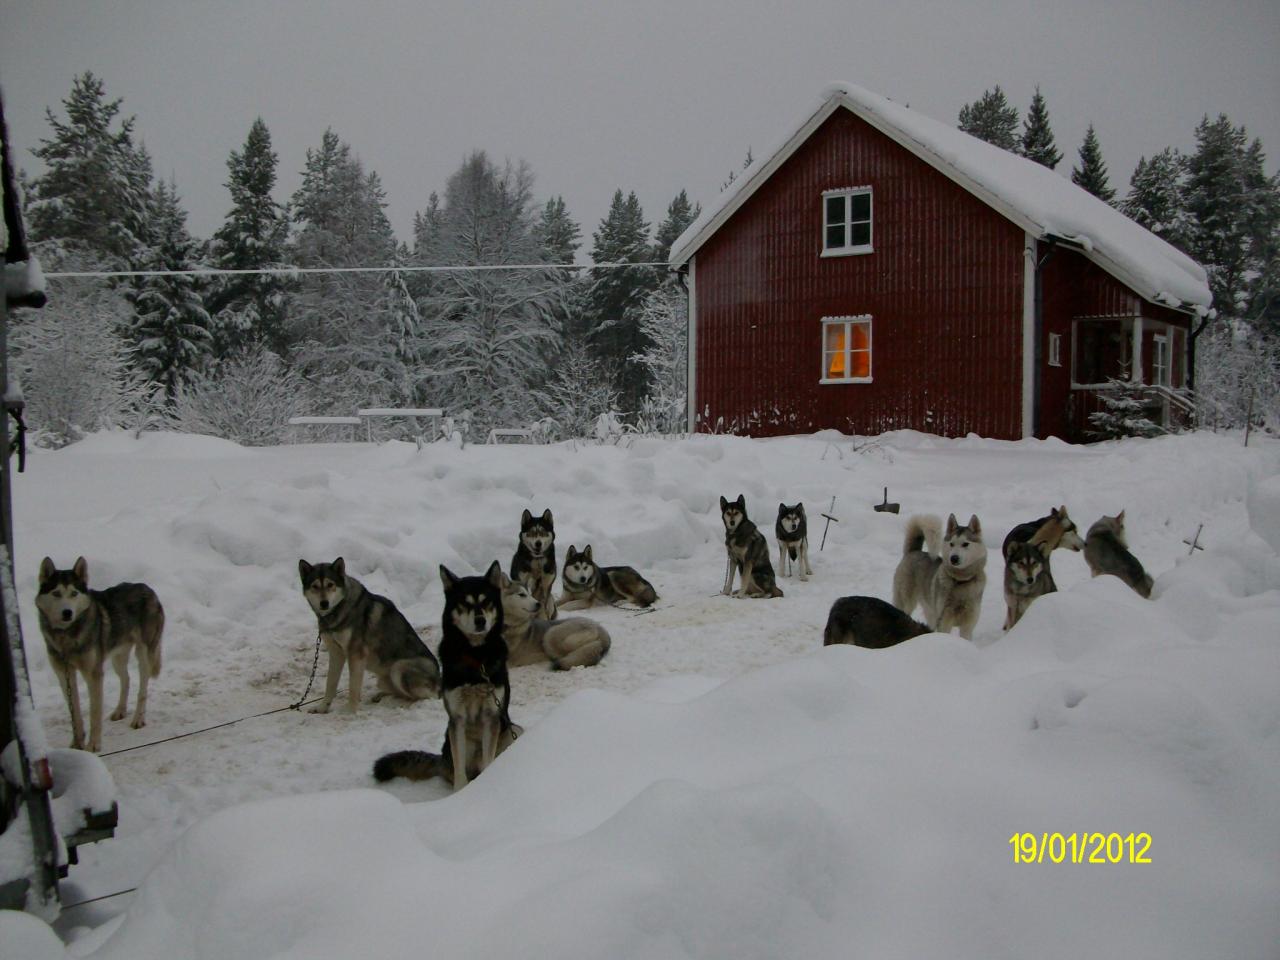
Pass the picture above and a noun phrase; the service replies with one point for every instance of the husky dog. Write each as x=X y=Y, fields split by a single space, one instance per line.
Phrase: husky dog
x=84 y=628
x=534 y=562
x=361 y=629
x=748 y=553
x=1026 y=576
x=1054 y=531
x=948 y=584
x=575 y=642
x=585 y=584
x=1107 y=551
x=477 y=693
x=792 y=533
x=869 y=622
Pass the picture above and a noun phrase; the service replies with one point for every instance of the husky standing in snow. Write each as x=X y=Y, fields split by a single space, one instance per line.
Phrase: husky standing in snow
x=584 y=583
x=534 y=562
x=948 y=584
x=1026 y=577
x=792 y=533
x=748 y=553
x=565 y=643
x=84 y=628
x=476 y=689
x=1107 y=551
x=361 y=629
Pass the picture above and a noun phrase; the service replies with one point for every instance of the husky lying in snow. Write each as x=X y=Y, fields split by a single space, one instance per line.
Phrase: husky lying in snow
x=585 y=584
x=567 y=643
x=869 y=622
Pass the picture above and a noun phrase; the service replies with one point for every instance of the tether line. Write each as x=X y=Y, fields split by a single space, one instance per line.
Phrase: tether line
x=294 y=271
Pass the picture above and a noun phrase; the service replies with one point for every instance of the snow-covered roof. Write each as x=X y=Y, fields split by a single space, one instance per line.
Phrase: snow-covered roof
x=1042 y=202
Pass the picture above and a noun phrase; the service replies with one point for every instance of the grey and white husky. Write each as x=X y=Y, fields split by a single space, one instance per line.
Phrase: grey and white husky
x=361 y=629
x=947 y=580
x=1107 y=551
x=564 y=643
x=534 y=562
x=84 y=628
x=748 y=553
x=792 y=533
x=1026 y=577
x=584 y=583
x=869 y=622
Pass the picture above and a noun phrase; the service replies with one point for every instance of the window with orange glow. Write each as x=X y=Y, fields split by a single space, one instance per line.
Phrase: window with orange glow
x=846 y=349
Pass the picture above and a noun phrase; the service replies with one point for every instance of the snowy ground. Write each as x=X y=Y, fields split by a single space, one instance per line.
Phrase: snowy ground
x=721 y=785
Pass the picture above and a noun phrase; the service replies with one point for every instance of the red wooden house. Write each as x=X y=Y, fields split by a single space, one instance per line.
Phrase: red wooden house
x=883 y=270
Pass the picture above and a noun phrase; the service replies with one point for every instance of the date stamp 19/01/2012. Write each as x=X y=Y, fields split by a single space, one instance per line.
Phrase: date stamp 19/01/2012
x=1081 y=847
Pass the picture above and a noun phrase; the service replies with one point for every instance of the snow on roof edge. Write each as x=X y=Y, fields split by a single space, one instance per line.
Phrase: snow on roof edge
x=1038 y=199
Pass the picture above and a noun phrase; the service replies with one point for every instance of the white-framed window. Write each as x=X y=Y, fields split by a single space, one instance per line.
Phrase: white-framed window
x=1161 y=367
x=846 y=221
x=1055 y=349
x=846 y=349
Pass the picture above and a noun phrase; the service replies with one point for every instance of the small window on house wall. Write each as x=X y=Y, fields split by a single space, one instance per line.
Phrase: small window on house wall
x=1055 y=349
x=846 y=221
x=1101 y=351
x=846 y=349
x=1161 y=364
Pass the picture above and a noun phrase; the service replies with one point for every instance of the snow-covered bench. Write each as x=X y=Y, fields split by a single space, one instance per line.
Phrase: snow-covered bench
x=353 y=422
x=369 y=414
x=518 y=434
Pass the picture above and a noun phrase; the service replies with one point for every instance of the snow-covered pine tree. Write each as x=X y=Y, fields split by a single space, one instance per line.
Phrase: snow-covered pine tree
x=991 y=118
x=488 y=330
x=1037 y=136
x=250 y=307
x=170 y=329
x=72 y=358
x=558 y=234
x=1155 y=197
x=559 y=238
x=680 y=213
x=664 y=322
x=95 y=190
x=1092 y=172
x=1124 y=414
x=617 y=294
x=247 y=397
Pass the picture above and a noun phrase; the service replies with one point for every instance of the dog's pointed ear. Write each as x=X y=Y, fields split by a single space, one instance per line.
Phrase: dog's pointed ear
x=525 y=518
x=504 y=581
x=47 y=569
x=546 y=517
x=741 y=502
x=340 y=567
x=494 y=574
x=1043 y=549
x=724 y=504
x=952 y=526
x=974 y=526
x=81 y=570
x=782 y=508
x=1053 y=512
x=304 y=571
x=1120 y=518
x=587 y=552
x=447 y=578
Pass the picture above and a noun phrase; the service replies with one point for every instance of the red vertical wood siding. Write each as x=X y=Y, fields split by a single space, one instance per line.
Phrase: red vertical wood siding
x=944 y=288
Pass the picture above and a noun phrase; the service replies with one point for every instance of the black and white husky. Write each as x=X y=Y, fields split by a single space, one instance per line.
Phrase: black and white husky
x=584 y=583
x=792 y=533
x=475 y=687
x=748 y=553
x=534 y=562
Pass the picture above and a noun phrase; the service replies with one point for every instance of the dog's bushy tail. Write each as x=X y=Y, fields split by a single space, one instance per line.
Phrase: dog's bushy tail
x=410 y=764
x=152 y=641
x=924 y=531
x=415 y=678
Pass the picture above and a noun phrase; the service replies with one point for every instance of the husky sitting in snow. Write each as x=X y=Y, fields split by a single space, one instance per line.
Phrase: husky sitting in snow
x=792 y=534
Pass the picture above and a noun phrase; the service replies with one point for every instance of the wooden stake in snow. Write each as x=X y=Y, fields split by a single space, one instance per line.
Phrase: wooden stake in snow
x=1194 y=542
x=828 y=524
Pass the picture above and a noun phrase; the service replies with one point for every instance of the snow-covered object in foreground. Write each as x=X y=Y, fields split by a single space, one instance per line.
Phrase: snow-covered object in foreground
x=1042 y=202
x=24 y=283
x=28 y=937
x=1263 y=502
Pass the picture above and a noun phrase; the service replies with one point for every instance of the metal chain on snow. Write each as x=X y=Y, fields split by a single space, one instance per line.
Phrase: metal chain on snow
x=493 y=687
x=315 y=664
x=19 y=443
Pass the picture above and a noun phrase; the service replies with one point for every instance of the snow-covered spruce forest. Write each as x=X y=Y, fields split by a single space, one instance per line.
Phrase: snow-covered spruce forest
x=236 y=355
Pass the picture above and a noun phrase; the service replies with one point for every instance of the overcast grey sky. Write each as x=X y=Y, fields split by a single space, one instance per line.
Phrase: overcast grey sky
x=650 y=97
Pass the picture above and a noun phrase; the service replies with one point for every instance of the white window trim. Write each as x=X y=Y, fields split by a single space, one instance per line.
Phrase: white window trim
x=1158 y=341
x=871 y=222
x=1055 y=349
x=860 y=318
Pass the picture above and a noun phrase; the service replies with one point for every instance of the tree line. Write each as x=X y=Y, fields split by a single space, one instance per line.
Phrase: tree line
x=1216 y=204
x=237 y=354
